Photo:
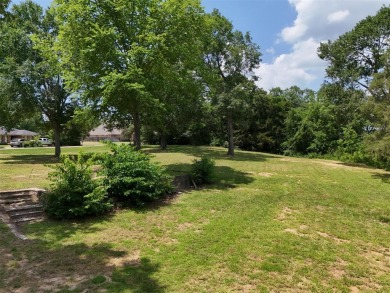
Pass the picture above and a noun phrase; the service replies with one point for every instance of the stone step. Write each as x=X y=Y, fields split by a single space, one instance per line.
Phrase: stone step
x=27 y=219
x=22 y=211
x=18 y=204
x=16 y=198
x=12 y=194
x=26 y=214
x=11 y=209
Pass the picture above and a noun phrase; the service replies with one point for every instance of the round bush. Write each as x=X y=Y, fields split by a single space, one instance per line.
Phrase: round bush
x=74 y=193
x=130 y=177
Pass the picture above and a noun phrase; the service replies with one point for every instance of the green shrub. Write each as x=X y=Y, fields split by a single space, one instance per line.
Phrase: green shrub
x=130 y=177
x=74 y=193
x=32 y=143
x=202 y=171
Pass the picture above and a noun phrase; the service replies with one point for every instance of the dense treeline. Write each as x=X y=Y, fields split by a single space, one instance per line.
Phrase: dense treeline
x=170 y=73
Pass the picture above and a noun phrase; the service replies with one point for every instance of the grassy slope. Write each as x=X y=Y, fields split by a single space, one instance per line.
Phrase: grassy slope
x=269 y=223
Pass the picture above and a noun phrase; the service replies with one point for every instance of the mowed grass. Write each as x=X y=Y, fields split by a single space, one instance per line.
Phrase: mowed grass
x=268 y=224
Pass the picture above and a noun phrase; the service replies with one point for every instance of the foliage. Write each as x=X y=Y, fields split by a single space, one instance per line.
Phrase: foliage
x=202 y=171
x=357 y=55
x=29 y=68
x=130 y=177
x=360 y=59
x=74 y=192
x=33 y=143
x=134 y=60
x=231 y=60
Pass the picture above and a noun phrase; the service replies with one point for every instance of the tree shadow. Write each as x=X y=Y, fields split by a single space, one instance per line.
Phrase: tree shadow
x=212 y=152
x=29 y=159
x=224 y=176
x=382 y=176
x=40 y=266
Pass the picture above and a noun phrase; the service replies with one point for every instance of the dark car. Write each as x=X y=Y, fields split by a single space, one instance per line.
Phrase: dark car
x=17 y=142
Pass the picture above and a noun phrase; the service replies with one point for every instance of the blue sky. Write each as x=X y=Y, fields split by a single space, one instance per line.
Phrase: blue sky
x=289 y=33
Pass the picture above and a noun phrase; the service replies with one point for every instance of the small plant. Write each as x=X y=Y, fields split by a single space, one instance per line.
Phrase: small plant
x=74 y=193
x=202 y=171
x=130 y=177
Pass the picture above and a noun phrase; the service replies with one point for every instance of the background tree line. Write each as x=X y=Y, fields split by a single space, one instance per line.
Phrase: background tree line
x=171 y=73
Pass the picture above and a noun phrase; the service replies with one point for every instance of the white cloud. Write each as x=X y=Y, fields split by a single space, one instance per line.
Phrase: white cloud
x=271 y=51
x=321 y=18
x=300 y=67
x=338 y=16
x=316 y=21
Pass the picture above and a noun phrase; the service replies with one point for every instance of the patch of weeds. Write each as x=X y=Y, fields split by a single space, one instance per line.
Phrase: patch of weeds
x=384 y=219
x=99 y=279
x=272 y=267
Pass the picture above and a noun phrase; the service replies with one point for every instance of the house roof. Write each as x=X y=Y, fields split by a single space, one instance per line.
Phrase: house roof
x=17 y=132
x=102 y=131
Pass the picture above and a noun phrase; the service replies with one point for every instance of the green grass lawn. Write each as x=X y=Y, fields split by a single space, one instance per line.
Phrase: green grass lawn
x=268 y=224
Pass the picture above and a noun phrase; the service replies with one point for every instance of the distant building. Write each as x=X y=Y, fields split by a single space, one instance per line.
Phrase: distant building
x=101 y=133
x=6 y=136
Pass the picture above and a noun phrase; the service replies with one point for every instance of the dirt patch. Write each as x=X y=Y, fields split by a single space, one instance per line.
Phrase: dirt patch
x=337 y=270
x=185 y=226
x=295 y=232
x=289 y=160
x=285 y=213
x=334 y=238
x=132 y=260
x=378 y=261
x=265 y=174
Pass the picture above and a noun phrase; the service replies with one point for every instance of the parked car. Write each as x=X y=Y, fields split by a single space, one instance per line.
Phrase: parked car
x=17 y=142
x=46 y=141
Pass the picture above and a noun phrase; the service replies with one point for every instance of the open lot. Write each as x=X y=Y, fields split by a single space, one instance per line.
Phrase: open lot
x=268 y=224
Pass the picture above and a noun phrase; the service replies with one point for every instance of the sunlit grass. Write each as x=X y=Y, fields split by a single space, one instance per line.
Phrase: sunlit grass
x=269 y=223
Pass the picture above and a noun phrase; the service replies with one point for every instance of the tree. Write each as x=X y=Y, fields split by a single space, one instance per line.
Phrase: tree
x=29 y=67
x=175 y=81
x=3 y=8
x=231 y=59
x=359 y=59
x=118 y=53
x=356 y=56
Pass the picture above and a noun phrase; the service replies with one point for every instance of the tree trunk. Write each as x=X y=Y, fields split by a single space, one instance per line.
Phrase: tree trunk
x=163 y=141
x=230 y=136
x=57 y=135
x=137 y=131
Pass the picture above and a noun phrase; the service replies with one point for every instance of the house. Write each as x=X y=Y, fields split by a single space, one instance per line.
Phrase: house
x=101 y=133
x=6 y=136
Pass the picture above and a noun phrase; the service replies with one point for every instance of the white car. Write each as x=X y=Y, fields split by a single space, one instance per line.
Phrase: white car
x=46 y=141
x=17 y=142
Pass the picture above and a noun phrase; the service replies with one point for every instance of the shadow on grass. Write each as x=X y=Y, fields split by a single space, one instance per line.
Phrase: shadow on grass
x=382 y=176
x=224 y=176
x=29 y=159
x=212 y=152
x=45 y=265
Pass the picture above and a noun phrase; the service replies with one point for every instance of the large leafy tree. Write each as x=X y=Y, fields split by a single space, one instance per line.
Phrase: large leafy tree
x=231 y=59
x=125 y=56
x=174 y=80
x=359 y=59
x=29 y=67
x=356 y=56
